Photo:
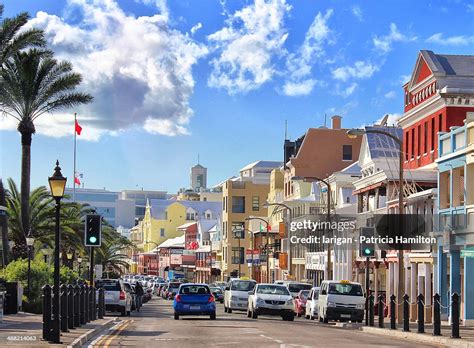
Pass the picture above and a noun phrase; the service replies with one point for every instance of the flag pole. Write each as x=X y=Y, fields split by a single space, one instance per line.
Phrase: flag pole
x=74 y=176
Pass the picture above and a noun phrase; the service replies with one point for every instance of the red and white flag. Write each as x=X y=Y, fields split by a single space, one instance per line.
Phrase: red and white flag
x=77 y=181
x=78 y=128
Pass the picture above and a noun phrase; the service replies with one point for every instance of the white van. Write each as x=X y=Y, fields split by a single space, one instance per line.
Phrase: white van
x=236 y=294
x=341 y=300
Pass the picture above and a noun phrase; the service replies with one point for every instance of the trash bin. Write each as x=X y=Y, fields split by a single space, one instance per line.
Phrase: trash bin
x=12 y=297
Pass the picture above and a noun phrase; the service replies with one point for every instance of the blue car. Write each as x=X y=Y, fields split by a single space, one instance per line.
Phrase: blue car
x=194 y=299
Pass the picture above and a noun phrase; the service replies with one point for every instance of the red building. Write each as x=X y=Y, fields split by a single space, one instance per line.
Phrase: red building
x=437 y=97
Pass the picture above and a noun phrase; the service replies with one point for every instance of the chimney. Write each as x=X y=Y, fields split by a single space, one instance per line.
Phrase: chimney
x=336 y=122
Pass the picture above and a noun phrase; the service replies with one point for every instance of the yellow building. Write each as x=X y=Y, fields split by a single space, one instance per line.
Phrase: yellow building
x=242 y=197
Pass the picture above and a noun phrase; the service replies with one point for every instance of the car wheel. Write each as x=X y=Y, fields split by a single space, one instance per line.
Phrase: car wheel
x=176 y=316
x=291 y=317
x=213 y=316
x=307 y=316
x=254 y=315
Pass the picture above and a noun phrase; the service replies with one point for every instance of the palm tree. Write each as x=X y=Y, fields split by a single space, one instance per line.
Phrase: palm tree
x=111 y=256
x=33 y=83
x=4 y=225
x=12 y=40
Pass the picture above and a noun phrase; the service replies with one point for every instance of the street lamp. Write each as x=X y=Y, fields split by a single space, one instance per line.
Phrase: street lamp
x=353 y=133
x=29 y=242
x=69 y=256
x=268 y=263
x=290 y=218
x=328 y=212
x=79 y=260
x=57 y=184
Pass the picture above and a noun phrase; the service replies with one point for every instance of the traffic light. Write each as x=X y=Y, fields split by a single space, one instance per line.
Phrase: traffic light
x=366 y=248
x=93 y=232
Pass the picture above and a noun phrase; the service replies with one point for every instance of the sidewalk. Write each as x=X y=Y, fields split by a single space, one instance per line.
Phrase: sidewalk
x=25 y=330
x=466 y=333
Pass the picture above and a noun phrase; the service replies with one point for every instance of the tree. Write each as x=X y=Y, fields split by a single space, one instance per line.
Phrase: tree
x=12 y=40
x=110 y=255
x=33 y=83
x=4 y=225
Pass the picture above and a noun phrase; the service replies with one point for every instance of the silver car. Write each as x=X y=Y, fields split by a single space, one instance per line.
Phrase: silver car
x=117 y=297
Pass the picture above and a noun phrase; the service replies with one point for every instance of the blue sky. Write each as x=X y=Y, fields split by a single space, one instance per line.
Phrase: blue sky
x=219 y=79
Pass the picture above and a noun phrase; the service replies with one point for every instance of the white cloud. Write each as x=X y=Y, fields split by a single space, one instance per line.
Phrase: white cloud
x=384 y=43
x=459 y=40
x=392 y=119
x=164 y=127
x=137 y=69
x=404 y=79
x=293 y=89
x=299 y=64
x=357 y=12
x=390 y=95
x=360 y=70
x=247 y=46
x=349 y=90
x=196 y=28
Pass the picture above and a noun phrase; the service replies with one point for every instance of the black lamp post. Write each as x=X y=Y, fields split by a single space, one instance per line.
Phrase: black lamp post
x=29 y=242
x=57 y=184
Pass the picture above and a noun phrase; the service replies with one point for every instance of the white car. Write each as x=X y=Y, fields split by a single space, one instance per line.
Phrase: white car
x=341 y=300
x=312 y=303
x=236 y=294
x=271 y=299
x=117 y=297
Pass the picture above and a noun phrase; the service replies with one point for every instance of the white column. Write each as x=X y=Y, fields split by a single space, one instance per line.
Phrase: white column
x=395 y=280
x=376 y=283
x=414 y=278
x=349 y=264
x=391 y=279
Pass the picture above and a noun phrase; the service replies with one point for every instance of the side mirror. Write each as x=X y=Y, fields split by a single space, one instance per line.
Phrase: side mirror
x=227 y=288
x=323 y=292
x=250 y=292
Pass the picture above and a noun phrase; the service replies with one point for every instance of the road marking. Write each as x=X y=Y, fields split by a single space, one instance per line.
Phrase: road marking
x=272 y=339
x=115 y=331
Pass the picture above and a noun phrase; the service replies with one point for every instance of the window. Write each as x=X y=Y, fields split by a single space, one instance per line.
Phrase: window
x=412 y=143
x=433 y=134
x=419 y=140
x=237 y=255
x=407 y=135
x=238 y=204
x=255 y=203
x=190 y=216
x=238 y=230
x=162 y=232
x=347 y=152
x=440 y=126
x=425 y=138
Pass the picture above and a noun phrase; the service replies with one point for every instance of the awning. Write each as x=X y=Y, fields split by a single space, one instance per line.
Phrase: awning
x=368 y=188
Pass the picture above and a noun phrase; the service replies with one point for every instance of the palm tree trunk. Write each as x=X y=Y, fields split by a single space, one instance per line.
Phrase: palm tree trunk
x=25 y=180
x=4 y=225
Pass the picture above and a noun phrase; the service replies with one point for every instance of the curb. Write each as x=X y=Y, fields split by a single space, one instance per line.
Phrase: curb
x=425 y=338
x=86 y=337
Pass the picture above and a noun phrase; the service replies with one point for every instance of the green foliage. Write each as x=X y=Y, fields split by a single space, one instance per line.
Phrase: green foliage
x=41 y=274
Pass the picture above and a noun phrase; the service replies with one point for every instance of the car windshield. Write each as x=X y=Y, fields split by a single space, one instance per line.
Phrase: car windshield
x=242 y=285
x=345 y=289
x=304 y=294
x=194 y=290
x=296 y=287
x=272 y=290
x=109 y=286
x=218 y=290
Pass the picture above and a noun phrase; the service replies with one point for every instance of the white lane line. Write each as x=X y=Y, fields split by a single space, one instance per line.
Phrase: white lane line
x=272 y=339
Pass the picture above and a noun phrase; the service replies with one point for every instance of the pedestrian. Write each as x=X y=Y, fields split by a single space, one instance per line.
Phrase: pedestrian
x=138 y=295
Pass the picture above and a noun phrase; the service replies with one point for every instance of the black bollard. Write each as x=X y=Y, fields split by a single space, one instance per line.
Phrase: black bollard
x=393 y=323
x=92 y=309
x=70 y=306
x=83 y=305
x=380 y=311
x=406 y=313
x=64 y=309
x=455 y=316
x=436 y=315
x=101 y=303
x=47 y=322
x=77 y=306
x=421 y=313
x=371 y=310
x=86 y=303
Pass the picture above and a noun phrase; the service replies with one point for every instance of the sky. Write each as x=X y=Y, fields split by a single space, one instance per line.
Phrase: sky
x=218 y=79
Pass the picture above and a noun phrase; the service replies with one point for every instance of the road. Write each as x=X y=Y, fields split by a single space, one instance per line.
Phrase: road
x=154 y=326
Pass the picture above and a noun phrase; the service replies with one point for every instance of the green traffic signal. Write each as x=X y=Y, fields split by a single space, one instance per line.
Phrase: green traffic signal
x=93 y=239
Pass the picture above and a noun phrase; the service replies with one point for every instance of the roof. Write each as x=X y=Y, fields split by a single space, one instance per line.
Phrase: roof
x=158 y=207
x=262 y=164
x=206 y=225
x=202 y=206
x=382 y=146
x=186 y=225
x=177 y=242
x=353 y=169
x=449 y=64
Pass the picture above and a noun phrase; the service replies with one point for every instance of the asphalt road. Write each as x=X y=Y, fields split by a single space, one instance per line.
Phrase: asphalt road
x=155 y=326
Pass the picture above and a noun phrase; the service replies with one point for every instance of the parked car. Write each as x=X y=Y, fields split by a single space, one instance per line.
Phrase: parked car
x=341 y=300
x=294 y=287
x=172 y=290
x=300 y=303
x=218 y=294
x=312 y=303
x=270 y=299
x=194 y=299
x=221 y=285
x=131 y=289
x=117 y=298
x=236 y=294
x=164 y=291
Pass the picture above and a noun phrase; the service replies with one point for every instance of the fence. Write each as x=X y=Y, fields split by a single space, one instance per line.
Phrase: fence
x=79 y=304
x=454 y=306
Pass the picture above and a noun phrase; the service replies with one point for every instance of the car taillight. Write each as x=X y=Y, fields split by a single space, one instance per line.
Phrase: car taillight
x=122 y=295
x=177 y=298
x=211 y=299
